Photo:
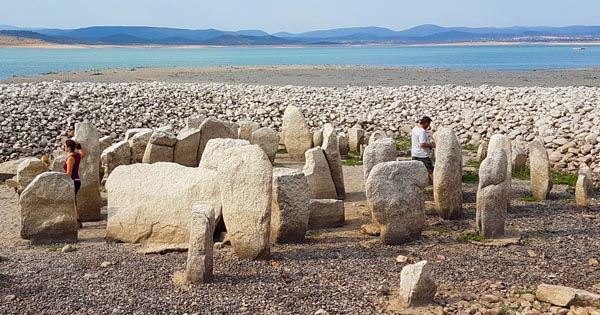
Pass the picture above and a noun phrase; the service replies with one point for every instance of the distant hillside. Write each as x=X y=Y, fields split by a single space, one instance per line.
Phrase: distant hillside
x=428 y=33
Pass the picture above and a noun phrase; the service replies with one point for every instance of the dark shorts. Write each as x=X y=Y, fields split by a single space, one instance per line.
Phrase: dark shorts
x=427 y=161
x=77 y=186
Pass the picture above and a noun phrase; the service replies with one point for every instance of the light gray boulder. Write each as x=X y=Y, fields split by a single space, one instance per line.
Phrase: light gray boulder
x=89 y=201
x=417 y=285
x=158 y=153
x=343 y=144
x=317 y=173
x=376 y=136
x=194 y=122
x=186 y=148
x=28 y=170
x=199 y=267
x=503 y=142
x=540 y=172
x=317 y=138
x=492 y=195
x=215 y=151
x=482 y=151
x=355 y=139
x=326 y=214
x=57 y=163
x=379 y=151
x=519 y=159
x=138 y=143
x=115 y=155
x=213 y=128
x=289 y=210
x=296 y=133
x=332 y=154
x=566 y=297
x=130 y=133
x=268 y=140
x=447 y=175
x=584 y=187
x=246 y=128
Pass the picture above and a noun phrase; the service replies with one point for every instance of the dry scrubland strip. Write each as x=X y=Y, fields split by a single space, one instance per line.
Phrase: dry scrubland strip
x=567 y=119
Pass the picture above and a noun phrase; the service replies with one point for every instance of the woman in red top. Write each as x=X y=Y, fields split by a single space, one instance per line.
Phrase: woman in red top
x=71 y=166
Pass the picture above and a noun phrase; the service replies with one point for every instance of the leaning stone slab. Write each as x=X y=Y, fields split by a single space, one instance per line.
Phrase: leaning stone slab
x=492 y=195
x=417 y=285
x=215 y=151
x=138 y=143
x=48 y=212
x=158 y=153
x=245 y=179
x=541 y=175
x=379 y=151
x=268 y=140
x=199 y=267
x=326 y=214
x=213 y=128
x=115 y=155
x=155 y=207
x=317 y=173
x=343 y=144
x=28 y=170
x=503 y=142
x=332 y=154
x=395 y=197
x=355 y=139
x=296 y=133
x=246 y=128
x=89 y=201
x=186 y=148
x=289 y=210
x=447 y=175
x=566 y=297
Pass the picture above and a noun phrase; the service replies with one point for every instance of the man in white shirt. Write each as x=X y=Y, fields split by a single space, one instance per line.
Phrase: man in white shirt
x=420 y=145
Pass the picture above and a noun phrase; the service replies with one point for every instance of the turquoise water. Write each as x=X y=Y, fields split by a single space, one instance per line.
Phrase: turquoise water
x=30 y=61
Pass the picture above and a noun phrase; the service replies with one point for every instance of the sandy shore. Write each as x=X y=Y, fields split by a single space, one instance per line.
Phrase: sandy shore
x=329 y=76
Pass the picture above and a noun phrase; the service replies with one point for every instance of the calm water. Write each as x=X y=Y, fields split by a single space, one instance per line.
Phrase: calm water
x=29 y=61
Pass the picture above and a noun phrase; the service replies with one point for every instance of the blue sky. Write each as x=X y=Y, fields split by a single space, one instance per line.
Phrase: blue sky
x=297 y=16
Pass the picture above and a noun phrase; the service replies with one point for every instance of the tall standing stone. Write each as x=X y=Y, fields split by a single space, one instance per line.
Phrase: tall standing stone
x=447 y=175
x=383 y=150
x=105 y=142
x=356 y=137
x=503 y=142
x=289 y=210
x=417 y=285
x=519 y=159
x=584 y=187
x=194 y=122
x=332 y=154
x=138 y=143
x=28 y=170
x=396 y=200
x=296 y=133
x=213 y=128
x=160 y=148
x=89 y=201
x=317 y=173
x=541 y=175
x=215 y=151
x=317 y=138
x=245 y=180
x=48 y=212
x=482 y=151
x=246 y=128
x=492 y=194
x=186 y=148
x=343 y=144
x=268 y=140
x=115 y=155
x=199 y=267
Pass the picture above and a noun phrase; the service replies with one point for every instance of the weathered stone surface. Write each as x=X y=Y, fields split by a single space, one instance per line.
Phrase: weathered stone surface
x=89 y=201
x=332 y=154
x=155 y=208
x=492 y=195
x=105 y=142
x=268 y=140
x=246 y=128
x=503 y=142
x=289 y=210
x=199 y=267
x=194 y=122
x=379 y=151
x=130 y=133
x=566 y=296
x=583 y=190
x=115 y=155
x=9 y=169
x=343 y=144
x=376 y=136
x=447 y=175
x=317 y=138
x=245 y=179
x=28 y=170
x=541 y=176
x=355 y=139
x=138 y=143
x=317 y=173
x=296 y=133
x=519 y=159
x=326 y=214
x=158 y=153
x=482 y=151
x=215 y=151
x=163 y=138
x=395 y=197
x=213 y=128
x=48 y=212
x=186 y=148
x=58 y=162
x=417 y=285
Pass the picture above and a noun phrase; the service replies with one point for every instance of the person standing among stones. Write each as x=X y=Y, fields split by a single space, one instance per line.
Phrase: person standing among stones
x=71 y=165
x=420 y=145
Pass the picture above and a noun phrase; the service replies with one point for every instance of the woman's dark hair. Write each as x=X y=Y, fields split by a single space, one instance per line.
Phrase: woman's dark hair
x=71 y=144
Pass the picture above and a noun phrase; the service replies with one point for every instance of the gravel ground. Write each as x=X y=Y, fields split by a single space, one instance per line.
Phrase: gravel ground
x=341 y=270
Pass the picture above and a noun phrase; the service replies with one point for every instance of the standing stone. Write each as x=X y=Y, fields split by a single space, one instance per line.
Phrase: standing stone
x=447 y=175
x=503 y=142
x=268 y=140
x=289 y=210
x=89 y=201
x=383 y=150
x=215 y=151
x=296 y=134
x=396 y=200
x=541 y=175
x=317 y=138
x=105 y=142
x=317 y=173
x=233 y=128
x=213 y=128
x=482 y=151
x=130 y=133
x=332 y=154
x=583 y=189
x=28 y=170
x=246 y=128
x=326 y=214
x=492 y=194
x=519 y=159
x=417 y=285
x=355 y=139
x=194 y=122
x=48 y=212
x=343 y=144
x=199 y=267
x=138 y=143
x=186 y=147
x=245 y=180
x=376 y=136
x=115 y=155
x=58 y=162
x=161 y=147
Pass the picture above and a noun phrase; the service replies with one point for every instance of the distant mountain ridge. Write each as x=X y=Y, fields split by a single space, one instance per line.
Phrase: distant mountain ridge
x=427 y=33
